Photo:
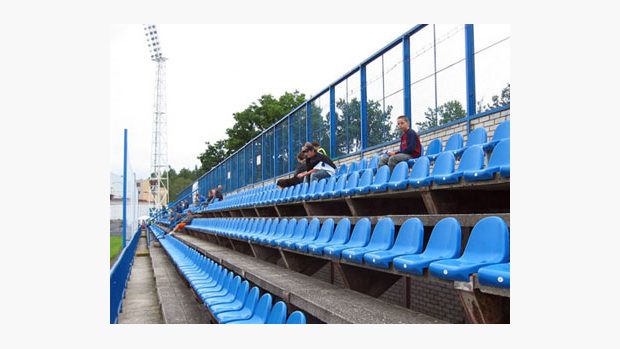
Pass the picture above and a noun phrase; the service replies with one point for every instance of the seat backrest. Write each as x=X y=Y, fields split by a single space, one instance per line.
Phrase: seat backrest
x=263 y=308
x=400 y=172
x=455 y=142
x=266 y=227
x=501 y=154
x=434 y=147
x=374 y=162
x=477 y=136
x=488 y=242
x=352 y=181
x=342 y=232
x=383 y=235
x=277 y=316
x=296 y=318
x=321 y=185
x=242 y=291
x=421 y=168
x=234 y=285
x=354 y=166
x=472 y=159
x=444 y=164
x=366 y=178
x=411 y=236
x=313 y=229
x=342 y=180
x=251 y=299
x=382 y=176
x=274 y=226
x=361 y=233
x=327 y=230
x=300 y=228
x=329 y=186
x=342 y=169
x=303 y=190
x=296 y=190
x=502 y=131
x=281 y=228
x=290 y=228
x=312 y=187
x=363 y=164
x=259 y=226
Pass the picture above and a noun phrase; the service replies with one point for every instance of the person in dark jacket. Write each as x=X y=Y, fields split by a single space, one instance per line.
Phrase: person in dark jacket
x=410 y=146
x=301 y=167
x=317 y=165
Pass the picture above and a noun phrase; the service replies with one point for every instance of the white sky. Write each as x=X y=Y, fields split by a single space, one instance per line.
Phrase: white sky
x=216 y=70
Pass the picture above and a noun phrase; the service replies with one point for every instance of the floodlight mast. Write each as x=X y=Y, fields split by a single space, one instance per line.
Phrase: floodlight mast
x=159 y=146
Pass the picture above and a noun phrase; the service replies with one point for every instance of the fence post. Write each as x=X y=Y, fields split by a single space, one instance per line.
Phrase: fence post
x=332 y=121
x=363 y=108
x=470 y=72
x=407 y=79
x=125 y=188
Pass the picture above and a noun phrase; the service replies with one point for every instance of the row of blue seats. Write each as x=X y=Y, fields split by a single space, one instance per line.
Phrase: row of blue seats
x=487 y=248
x=471 y=168
x=228 y=296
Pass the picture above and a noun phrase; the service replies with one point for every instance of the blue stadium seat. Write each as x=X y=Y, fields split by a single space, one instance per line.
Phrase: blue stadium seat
x=236 y=304
x=269 y=224
x=342 y=170
x=320 y=187
x=329 y=187
x=420 y=173
x=497 y=275
x=228 y=297
x=487 y=244
x=302 y=191
x=444 y=243
x=340 y=236
x=338 y=187
x=310 y=232
x=277 y=316
x=324 y=235
x=443 y=166
x=500 y=157
x=502 y=132
x=398 y=179
x=381 y=178
x=455 y=142
x=382 y=239
x=350 y=186
x=472 y=160
x=432 y=151
x=476 y=137
x=363 y=185
x=242 y=314
x=410 y=240
x=359 y=238
x=262 y=310
x=296 y=318
x=276 y=232
x=311 y=190
x=353 y=167
x=204 y=291
x=298 y=233
x=296 y=190
x=373 y=164
x=288 y=232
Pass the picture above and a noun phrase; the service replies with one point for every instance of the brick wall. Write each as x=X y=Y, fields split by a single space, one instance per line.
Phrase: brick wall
x=396 y=293
x=437 y=300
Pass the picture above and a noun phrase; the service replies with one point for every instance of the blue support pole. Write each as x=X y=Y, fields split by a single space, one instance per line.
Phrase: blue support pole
x=332 y=121
x=309 y=124
x=262 y=156
x=407 y=79
x=275 y=151
x=125 y=189
x=363 y=108
x=253 y=169
x=290 y=144
x=470 y=72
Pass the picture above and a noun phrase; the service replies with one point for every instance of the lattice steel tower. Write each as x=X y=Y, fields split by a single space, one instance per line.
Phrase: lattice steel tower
x=159 y=144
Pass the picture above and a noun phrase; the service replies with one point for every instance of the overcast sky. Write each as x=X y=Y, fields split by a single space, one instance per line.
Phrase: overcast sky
x=216 y=70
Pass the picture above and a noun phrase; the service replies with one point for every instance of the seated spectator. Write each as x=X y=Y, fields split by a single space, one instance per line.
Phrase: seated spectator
x=410 y=146
x=218 y=193
x=318 y=166
x=319 y=149
x=301 y=167
x=210 y=196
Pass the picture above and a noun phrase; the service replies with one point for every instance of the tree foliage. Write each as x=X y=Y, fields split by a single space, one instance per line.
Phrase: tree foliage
x=443 y=114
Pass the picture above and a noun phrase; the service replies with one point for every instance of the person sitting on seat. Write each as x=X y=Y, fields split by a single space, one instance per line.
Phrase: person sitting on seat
x=319 y=149
x=318 y=166
x=410 y=146
x=301 y=167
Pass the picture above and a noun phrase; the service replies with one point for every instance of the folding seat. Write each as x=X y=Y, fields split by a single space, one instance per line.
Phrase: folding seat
x=288 y=191
x=220 y=306
x=320 y=187
x=444 y=165
x=472 y=160
x=350 y=186
x=296 y=318
x=381 y=178
x=500 y=157
x=324 y=235
x=286 y=233
x=444 y=243
x=262 y=310
x=277 y=316
x=301 y=233
x=398 y=179
x=242 y=314
x=410 y=240
x=502 y=132
x=227 y=294
x=432 y=151
x=363 y=185
x=487 y=244
x=298 y=233
x=476 y=137
x=311 y=189
x=359 y=238
x=419 y=175
x=497 y=275
x=342 y=170
x=302 y=191
x=279 y=193
x=382 y=239
x=294 y=193
x=340 y=236
x=338 y=187
x=276 y=230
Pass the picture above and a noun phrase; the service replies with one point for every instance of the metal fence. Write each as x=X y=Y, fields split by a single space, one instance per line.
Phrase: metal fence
x=119 y=276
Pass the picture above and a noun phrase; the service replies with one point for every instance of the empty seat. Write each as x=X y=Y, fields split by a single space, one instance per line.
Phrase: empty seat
x=419 y=175
x=350 y=186
x=324 y=235
x=288 y=232
x=359 y=238
x=302 y=191
x=341 y=235
x=298 y=233
x=242 y=314
x=329 y=187
x=320 y=187
x=276 y=232
x=342 y=169
x=310 y=233
x=487 y=244
x=499 y=158
x=226 y=298
x=472 y=160
x=432 y=151
x=497 y=275
x=398 y=179
x=501 y=133
x=236 y=304
x=373 y=164
x=363 y=185
x=296 y=318
x=444 y=243
x=311 y=190
x=410 y=240
x=262 y=310
x=443 y=166
x=277 y=316
x=353 y=167
x=476 y=137
x=338 y=187
x=382 y=239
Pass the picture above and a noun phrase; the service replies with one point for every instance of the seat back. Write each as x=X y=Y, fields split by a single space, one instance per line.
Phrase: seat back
x=281 y=228
x=342 y=169
x=472 y=159
x=455 y=142
x=327 y=230
x=296 y=318
x=290 y=228
x=383 y=235
x=342 y=180
x=374 y=162
x=382 y=176
x=421 y=168
x=400 y=172
x=266 y=227
x=501 y=154
x=361 y=233
x=352 y=181
x=444 y=164
x=320 y=186
x=488 y=242
x=263 y=308
x=477 y=136
x=502 y=131
x=303 y=190
x=234 y=285
x=277 y=316
x=300 y=229
x=410 y=236
x=342 y=232
x=313 y=229
x=363 y=164
x=242 y=292
x=366 y=178
x=251 y=299
x=274 y=226
x=295 y=191
x=354 y=166
x=312 y=188
x=434 y=147
x=329 y=186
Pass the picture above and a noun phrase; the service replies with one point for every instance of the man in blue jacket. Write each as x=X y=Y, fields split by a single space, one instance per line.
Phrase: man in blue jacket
x=410 y=146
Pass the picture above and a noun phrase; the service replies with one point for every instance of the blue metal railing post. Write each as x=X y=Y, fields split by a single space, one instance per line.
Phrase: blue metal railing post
x=125 y=188
x=470 y=72
x=309 y=124
x=290 y=144
x=253 y=174
x=363 y=108
x=332 y=121
x=407 y=79
x=262 y=156
x=275 y=151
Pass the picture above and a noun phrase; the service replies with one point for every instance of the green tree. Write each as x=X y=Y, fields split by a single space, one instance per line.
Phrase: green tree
x=496 y=101
x=443 y=114
x=213 y=155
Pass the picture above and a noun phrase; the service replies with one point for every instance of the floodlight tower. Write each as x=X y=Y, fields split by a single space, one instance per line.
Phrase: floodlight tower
x=159 y=145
